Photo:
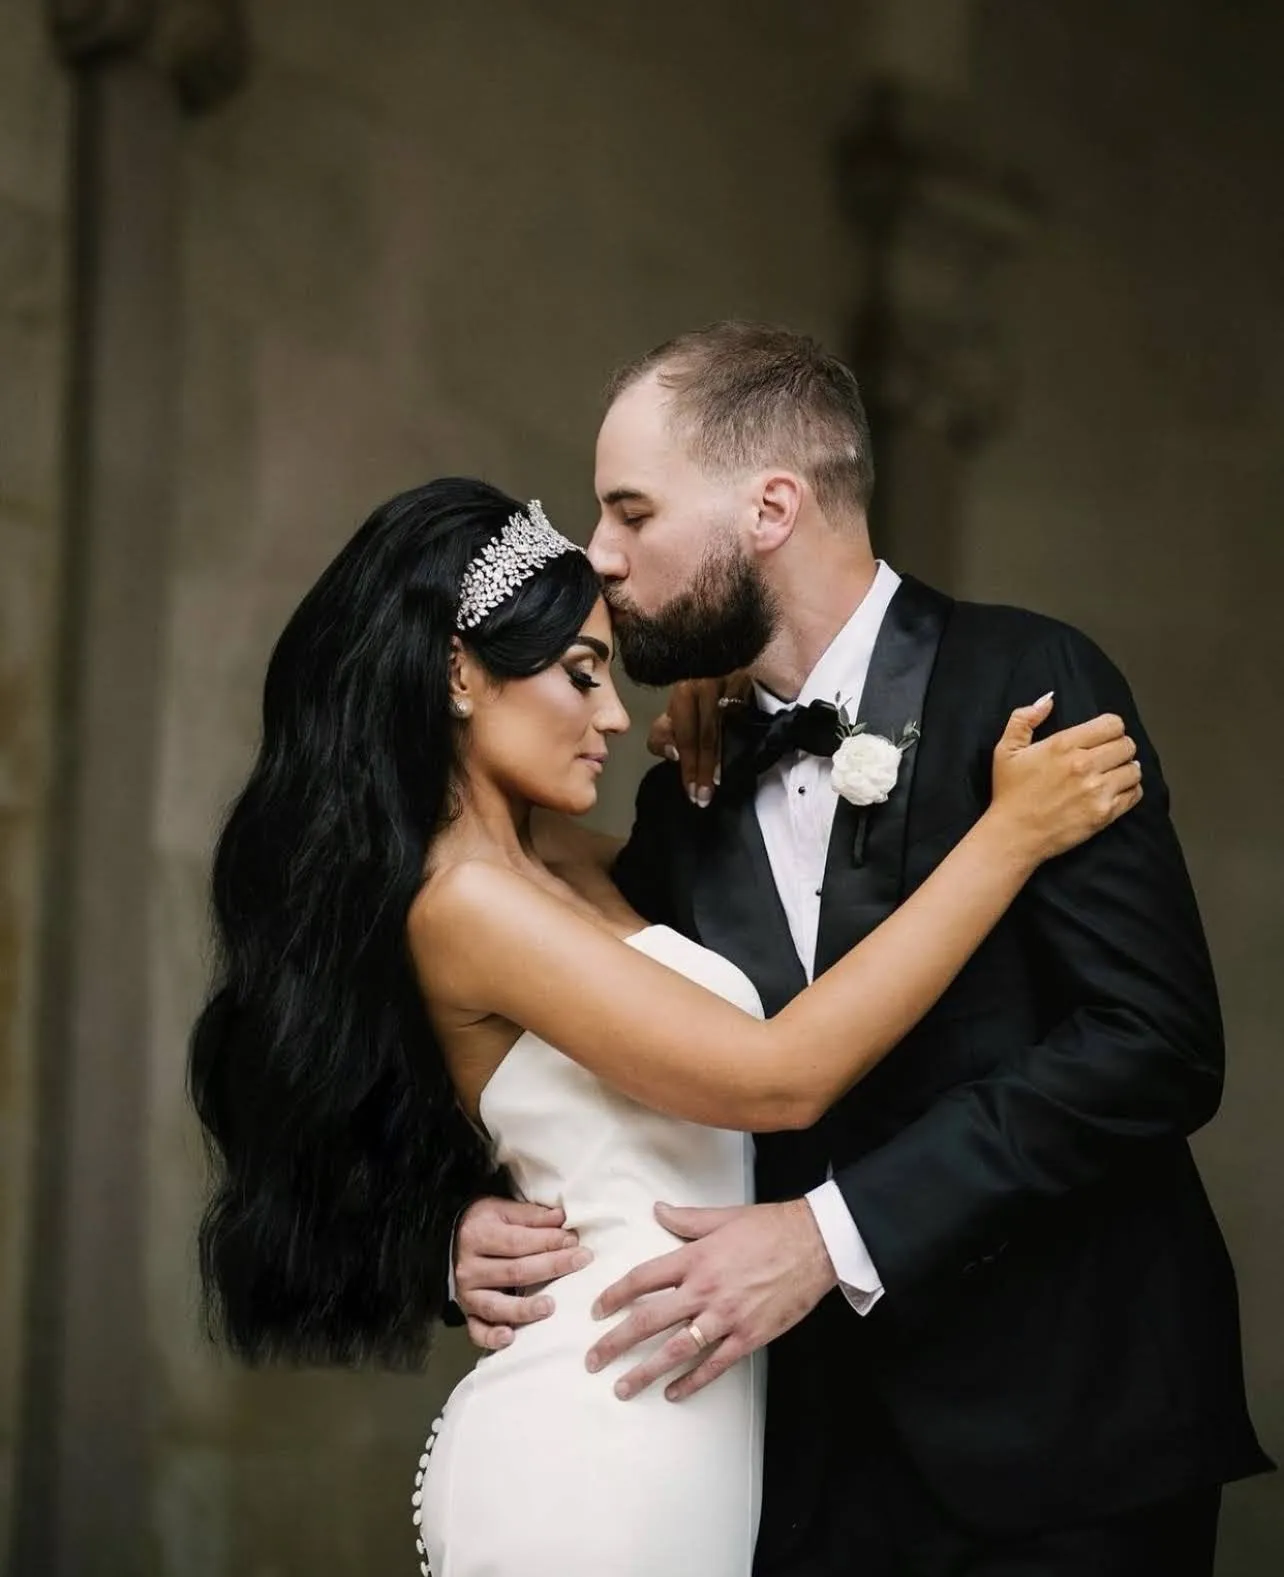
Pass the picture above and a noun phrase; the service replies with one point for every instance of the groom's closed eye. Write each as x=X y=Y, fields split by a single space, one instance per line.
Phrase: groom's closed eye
x=631 y=507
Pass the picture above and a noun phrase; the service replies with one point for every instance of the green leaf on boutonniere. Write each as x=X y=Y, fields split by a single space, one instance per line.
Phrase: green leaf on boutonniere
x=846 y=728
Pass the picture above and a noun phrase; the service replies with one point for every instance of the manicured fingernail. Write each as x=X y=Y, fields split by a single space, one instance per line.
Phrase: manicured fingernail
x=543 y=1307
x=717 y=776
x=622 y=1390
x=671 y=1393
x=596 y=1311
x=581 y=1258
x=704 y=798
x=691 y=794
x=592 y=1363
x=672 y=752
x=1044 y=698
x=569 y=1240
x=503 y=1337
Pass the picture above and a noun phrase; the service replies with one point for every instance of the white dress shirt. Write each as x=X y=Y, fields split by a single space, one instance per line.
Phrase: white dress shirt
x=795 y=805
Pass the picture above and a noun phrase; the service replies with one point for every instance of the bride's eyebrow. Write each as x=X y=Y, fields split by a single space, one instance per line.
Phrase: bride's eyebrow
x=598 y=648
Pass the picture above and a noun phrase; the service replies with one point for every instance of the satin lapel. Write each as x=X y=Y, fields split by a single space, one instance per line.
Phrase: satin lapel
x=734 y=901
x=864 y=868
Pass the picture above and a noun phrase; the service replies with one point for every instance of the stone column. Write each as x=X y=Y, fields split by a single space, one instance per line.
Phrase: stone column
x=938 y=219
x=81 y=1491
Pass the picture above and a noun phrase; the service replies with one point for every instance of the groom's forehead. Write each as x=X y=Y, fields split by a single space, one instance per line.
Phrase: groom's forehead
x=638 y=451
x=637 y=420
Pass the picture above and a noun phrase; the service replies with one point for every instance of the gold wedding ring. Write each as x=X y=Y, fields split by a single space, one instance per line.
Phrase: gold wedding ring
x=697 y=1336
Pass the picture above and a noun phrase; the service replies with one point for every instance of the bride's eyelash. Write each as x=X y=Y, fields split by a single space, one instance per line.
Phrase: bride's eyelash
x=581 y=680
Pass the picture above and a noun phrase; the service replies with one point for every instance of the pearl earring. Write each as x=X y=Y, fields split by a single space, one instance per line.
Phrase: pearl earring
x=461 y=708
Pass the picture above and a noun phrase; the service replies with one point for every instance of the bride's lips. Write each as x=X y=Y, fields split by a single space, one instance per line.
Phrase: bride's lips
x=599 y=761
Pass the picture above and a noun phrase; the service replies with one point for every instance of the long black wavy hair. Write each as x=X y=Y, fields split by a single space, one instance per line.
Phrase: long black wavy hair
x=340 y=1153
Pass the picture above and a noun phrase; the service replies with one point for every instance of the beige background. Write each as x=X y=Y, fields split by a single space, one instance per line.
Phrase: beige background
x=414 y=242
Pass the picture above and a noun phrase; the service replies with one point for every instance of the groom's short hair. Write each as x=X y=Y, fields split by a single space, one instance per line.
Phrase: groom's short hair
x=750 y=394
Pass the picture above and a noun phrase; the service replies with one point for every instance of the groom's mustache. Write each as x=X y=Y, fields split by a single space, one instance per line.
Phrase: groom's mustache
x=617 y=602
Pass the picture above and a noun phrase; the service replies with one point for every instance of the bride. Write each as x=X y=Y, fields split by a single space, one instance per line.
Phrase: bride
x=420 y=985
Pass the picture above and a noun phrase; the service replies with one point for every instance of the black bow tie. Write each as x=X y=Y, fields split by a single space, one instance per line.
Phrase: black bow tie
x=813 y=728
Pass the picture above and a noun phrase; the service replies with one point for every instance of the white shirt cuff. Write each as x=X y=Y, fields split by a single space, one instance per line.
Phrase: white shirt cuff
x=854 y=1268
x=452 y=1291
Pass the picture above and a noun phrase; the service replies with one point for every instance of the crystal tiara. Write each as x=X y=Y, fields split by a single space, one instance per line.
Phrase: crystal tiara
x=526 y=544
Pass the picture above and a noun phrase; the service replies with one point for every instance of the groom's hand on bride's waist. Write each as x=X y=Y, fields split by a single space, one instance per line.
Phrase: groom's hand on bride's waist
x=501 y=1247
x=747 y=1275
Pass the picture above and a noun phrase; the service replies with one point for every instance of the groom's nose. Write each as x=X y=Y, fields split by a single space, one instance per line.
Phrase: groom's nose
x=605 y=554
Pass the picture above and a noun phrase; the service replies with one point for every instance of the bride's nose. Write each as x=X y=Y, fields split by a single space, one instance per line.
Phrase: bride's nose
x=612 y=718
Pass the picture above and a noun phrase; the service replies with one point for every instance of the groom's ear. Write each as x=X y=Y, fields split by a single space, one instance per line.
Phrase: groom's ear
x=780 y=496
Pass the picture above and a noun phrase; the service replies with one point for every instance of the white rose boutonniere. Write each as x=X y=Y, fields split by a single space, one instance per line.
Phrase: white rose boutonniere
x=866 y=766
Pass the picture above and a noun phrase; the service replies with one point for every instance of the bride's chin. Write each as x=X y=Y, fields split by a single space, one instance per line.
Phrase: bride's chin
x=579 y=801
x=572 y=801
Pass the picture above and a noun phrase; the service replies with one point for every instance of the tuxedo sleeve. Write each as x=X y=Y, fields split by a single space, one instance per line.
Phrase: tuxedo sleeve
x=643 y=869
x=1134 y=1058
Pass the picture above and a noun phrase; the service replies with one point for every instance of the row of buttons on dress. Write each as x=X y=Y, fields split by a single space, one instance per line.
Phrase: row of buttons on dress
x=417 y=1499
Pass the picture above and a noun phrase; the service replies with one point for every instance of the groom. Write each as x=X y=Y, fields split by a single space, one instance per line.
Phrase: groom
x=1003 y=1322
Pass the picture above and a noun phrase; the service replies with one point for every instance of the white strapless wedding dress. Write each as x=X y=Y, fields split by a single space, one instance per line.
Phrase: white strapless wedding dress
x=536 y=1468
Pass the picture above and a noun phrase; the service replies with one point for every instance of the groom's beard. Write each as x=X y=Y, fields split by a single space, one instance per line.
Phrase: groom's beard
x=722 y=623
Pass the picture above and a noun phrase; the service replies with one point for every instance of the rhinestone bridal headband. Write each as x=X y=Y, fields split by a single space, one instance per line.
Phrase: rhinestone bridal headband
x=526 y=544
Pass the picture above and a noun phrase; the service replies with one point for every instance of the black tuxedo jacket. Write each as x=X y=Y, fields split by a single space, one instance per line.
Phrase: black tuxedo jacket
x=1059 y=1334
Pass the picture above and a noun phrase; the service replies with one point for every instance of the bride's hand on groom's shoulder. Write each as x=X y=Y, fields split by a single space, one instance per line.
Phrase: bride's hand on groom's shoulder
x=501 y=1247
x=689 y=730
x=1057 y=793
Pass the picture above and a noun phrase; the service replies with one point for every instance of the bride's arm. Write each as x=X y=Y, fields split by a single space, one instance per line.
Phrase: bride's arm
x=493 y=942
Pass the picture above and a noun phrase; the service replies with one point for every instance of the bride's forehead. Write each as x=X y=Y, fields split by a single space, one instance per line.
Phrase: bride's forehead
x=597 y=626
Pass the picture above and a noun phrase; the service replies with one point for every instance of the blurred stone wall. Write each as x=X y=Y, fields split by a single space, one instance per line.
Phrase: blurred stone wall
x=33 y=131
x=1137 y=493
x=415 y=243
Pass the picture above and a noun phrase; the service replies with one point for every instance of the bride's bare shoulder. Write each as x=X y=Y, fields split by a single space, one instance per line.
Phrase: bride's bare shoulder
x=464 y=893
x=462 y=916
x=476 y=922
